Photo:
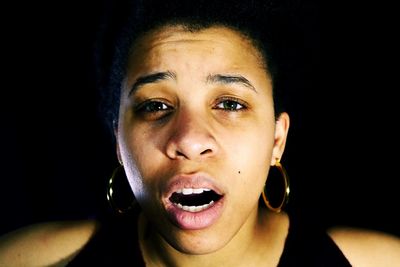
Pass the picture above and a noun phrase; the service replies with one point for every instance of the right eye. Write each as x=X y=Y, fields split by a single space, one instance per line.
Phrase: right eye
x=153 y=109
x=153 y=106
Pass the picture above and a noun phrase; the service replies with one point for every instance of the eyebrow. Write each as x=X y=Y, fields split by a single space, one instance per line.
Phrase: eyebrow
x=151 y=78
x=230 y=79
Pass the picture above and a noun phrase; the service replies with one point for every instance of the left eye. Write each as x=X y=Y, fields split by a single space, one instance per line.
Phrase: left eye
x=230 y=105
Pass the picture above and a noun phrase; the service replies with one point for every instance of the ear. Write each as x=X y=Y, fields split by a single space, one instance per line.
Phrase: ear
x=281 y=133
x=117 y=144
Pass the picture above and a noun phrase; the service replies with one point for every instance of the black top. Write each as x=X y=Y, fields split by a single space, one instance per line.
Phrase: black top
x=116 y=244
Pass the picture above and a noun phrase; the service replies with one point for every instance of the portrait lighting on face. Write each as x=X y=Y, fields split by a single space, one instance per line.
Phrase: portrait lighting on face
x=180 y=118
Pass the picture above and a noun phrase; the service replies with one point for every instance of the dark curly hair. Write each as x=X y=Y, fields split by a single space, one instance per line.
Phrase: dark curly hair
x=266 y=23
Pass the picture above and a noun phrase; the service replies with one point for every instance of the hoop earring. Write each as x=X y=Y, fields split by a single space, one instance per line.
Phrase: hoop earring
x=277 y=198
x=119 y=193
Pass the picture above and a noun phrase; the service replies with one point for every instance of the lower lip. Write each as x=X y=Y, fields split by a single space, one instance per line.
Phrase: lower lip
x=195 y=220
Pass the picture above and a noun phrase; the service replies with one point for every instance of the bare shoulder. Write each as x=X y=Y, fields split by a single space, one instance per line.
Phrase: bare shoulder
x=366 y=247
x=45 y=244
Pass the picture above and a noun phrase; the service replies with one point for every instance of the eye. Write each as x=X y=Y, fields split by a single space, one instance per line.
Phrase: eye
x=153 y=109
x=230 y=104
x=152 y=106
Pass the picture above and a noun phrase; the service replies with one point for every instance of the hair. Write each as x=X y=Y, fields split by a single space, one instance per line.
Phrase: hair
x=124 y=22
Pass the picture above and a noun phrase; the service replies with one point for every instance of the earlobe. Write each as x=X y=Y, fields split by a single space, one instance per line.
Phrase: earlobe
x=281 y=132
x=118 y=153
x=117 y=145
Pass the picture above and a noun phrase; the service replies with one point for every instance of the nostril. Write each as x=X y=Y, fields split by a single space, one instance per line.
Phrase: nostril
x=206 y=152
x=180 y=154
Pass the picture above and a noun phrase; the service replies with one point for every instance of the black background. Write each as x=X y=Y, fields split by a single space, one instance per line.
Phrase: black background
x=342 y=153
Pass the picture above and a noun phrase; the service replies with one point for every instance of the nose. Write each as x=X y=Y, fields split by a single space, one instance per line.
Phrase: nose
x=191 y=138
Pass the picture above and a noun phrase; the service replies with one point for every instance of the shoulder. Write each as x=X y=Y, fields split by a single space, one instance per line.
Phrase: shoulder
x=45 y=244
x=367 y=248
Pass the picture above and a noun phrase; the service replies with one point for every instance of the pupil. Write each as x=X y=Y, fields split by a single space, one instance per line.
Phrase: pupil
x=154 y=106
x=231 y=105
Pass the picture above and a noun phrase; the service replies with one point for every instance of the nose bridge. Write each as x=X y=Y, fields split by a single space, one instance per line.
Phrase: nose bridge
x=191 y=136
x=190 y=124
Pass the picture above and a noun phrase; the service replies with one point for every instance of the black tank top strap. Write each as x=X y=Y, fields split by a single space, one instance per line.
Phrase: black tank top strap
x=308 y=244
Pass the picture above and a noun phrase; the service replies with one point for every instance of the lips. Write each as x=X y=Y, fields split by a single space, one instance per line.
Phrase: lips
x=193 y=202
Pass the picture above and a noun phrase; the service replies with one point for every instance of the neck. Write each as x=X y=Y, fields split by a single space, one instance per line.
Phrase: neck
x=258 y=242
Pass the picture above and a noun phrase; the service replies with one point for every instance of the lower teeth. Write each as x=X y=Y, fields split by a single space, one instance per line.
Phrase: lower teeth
x=195 y=208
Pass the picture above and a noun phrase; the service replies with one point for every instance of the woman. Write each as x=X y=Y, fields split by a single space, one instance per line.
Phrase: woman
x=195 y=105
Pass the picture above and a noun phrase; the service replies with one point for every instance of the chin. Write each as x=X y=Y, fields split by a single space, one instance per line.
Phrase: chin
x=197 y=243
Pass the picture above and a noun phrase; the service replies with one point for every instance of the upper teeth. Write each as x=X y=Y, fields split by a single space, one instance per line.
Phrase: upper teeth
x=189 y=191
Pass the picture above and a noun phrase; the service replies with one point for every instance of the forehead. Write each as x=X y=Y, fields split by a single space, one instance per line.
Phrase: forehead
x=218 y=42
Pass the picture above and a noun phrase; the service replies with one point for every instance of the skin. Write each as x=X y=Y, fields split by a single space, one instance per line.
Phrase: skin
x=47 y=244
x=210 y=139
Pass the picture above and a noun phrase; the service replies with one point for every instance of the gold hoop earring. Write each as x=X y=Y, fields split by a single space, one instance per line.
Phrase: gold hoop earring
x=277 y=198
x=119 y=193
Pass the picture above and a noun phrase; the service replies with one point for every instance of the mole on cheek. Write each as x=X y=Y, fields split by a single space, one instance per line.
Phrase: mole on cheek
x=239 y=172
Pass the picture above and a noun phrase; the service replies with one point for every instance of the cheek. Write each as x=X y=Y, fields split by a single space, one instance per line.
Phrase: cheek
x=252 y=162
x=250 y=157
x=137 y=153
x=251 y=143
x=249 y=166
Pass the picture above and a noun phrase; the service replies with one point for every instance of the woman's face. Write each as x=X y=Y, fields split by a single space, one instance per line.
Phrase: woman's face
x=197 y=134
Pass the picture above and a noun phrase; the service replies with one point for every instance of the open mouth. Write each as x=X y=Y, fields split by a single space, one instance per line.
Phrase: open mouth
x=194 y=199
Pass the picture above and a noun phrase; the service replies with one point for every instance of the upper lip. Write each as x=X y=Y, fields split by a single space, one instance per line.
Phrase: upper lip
x=197 y=180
